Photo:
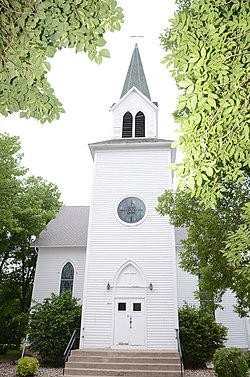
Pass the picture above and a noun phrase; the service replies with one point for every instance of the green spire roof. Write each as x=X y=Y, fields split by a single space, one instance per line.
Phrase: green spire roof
x=136 y=76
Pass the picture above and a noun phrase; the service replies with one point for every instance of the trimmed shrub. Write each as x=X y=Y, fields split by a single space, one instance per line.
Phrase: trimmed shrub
x=51 y=324
x=200 y=336
x=230 y=362
x=27 y=366
x=248 y=359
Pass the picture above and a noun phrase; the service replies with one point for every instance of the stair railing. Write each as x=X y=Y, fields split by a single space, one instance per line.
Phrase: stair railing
x=180 y=351
x=72 y=344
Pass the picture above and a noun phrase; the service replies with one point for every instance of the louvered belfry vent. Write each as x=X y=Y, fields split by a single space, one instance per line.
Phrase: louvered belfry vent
x=140 y=124
x=127 y=125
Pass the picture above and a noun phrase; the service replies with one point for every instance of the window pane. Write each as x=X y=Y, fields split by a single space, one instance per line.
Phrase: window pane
x=67 y=278
x=68 y=271
x=66 y=285
x=122 y=306
x=136 y=307
x=127 y=125
x=140 y=124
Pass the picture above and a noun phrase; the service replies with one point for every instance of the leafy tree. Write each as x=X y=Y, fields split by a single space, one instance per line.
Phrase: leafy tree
x=207 y=47
x=27 y=204
x=207 y=231
x=200 y=336
x=32 y=32
x=51 y=325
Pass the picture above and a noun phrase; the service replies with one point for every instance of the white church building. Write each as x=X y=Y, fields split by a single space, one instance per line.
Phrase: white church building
x=119 y=256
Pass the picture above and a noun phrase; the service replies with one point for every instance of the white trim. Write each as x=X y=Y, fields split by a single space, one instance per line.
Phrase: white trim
x=174 y=256
x=123 y=145
x=85 y=286
x=126 y=264
x=128 y=93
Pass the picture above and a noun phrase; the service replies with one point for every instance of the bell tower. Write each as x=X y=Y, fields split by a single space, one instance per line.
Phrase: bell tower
x=135 y=115
x=130 y=290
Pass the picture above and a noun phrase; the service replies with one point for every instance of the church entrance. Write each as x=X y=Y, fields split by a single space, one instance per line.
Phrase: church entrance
x=129 y=322
x=129 y=307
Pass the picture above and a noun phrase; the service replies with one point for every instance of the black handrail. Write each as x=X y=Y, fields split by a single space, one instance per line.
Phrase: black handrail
x=179 y=350
x=72 y=344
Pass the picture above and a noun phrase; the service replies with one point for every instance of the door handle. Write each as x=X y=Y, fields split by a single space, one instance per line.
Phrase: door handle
x=130 y=322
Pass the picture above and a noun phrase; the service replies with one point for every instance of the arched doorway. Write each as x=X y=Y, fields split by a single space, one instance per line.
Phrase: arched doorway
x=129 y=307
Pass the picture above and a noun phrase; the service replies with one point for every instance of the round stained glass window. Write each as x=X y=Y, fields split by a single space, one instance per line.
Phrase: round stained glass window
x=131 y=210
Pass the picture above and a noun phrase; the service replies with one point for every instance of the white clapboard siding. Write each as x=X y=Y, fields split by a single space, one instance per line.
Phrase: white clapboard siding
x=50 y=262
x=238 y=335
x=186 y=284
x=150 y=245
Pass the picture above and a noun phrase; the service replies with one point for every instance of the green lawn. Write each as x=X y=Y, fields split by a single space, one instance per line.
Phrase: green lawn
x=11 y=355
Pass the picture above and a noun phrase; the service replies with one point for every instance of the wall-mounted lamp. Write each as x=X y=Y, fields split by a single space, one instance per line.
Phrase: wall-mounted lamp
x=150 y=286
x=108 y=286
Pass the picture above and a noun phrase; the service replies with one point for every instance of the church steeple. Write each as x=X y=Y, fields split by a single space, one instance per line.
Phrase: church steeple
x=136 y=76
x=135 y=115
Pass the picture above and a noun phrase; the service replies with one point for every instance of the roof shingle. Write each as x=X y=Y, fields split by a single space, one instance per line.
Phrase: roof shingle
x=69 y=228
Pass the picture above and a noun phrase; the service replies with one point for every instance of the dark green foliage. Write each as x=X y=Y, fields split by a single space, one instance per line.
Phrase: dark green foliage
x=248 y=359
x=51 y=325
x=208 y=230
x=27 y=366
x=200 y=336
x=3 y=348
x=27 y=204
x=230 y=362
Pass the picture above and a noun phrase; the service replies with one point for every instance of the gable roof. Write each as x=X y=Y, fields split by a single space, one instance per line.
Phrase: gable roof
x=136 y=76
x=154 y=105
x=69 y=228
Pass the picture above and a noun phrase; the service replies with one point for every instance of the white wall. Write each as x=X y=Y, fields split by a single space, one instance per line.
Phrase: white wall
x=48 y=271
x=238 y=335
x=186 y=284
x=120 y=173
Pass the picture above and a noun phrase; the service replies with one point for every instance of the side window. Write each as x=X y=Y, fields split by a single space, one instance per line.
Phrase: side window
x=127 y=125
x=67 y=278
x=140 y=124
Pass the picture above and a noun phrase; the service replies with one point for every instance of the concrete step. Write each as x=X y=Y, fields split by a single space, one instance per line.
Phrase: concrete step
x=122 y=363
x=132 y=365
x=125 y=353
x=123 y=359
x=115 y=373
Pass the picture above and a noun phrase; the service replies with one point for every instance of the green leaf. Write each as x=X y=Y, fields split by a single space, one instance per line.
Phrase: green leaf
x=203 y=52
x=104 y=53
x=100 y=42
x=193 y=102
x=185 y=84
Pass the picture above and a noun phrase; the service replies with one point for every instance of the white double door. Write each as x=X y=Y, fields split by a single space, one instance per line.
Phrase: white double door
x=129 y=324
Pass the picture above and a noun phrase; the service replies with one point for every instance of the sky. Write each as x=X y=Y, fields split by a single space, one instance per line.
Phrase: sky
x=59 y=151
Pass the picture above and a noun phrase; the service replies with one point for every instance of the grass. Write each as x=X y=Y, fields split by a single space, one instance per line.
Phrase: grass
x=11 y=355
